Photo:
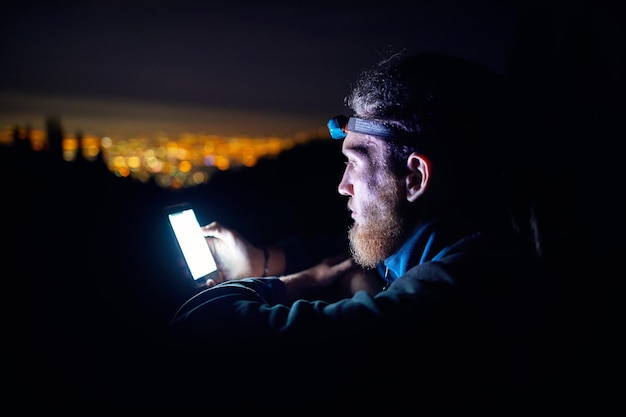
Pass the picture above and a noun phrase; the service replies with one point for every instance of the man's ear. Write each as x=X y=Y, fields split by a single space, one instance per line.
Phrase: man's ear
x=418 y=177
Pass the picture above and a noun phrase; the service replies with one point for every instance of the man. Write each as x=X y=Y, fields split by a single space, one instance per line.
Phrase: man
x=440 y=293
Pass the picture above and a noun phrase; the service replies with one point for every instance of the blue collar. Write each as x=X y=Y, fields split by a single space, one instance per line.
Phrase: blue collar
x=422 y=246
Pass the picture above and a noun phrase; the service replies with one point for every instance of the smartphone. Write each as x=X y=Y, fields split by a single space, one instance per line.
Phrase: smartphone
x=191 y=242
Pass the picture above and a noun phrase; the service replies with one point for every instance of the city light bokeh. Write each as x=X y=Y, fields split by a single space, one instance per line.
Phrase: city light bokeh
x=172 y=162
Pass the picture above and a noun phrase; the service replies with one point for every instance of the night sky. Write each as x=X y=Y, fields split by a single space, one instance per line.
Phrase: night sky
x=255 y=68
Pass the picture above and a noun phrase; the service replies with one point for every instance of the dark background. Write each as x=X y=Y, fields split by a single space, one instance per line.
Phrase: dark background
x=292 y=61
x=92 y=277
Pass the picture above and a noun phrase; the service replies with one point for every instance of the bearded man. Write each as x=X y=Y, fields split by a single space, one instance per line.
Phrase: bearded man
x=440 y=283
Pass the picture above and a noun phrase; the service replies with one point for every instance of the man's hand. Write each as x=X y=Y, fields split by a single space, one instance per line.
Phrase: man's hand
x=235 y=256
x=358 y=280
x=342 y=272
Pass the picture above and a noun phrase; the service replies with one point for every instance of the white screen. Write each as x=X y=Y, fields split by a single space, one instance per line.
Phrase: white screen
x=192 y=243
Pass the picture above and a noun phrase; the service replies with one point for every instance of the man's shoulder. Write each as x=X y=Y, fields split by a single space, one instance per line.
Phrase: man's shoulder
x=479 y=259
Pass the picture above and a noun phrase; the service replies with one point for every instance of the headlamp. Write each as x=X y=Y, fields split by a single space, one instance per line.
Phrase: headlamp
x=339 y=125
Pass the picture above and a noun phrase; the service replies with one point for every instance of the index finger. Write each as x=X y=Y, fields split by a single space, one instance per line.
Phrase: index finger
x=342 y=264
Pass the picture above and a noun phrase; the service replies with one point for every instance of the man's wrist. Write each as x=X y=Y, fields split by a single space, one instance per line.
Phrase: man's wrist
x=273 y=262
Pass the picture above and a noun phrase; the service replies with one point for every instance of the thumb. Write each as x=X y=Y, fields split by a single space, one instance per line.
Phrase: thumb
x=213 y=229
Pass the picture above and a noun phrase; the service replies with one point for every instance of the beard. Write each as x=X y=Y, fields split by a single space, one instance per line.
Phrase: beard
x=383 y=229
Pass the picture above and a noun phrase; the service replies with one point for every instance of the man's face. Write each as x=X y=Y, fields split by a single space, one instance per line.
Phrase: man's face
x=376 y=199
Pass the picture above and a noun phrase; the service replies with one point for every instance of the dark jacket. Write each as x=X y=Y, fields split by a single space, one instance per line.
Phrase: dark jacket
x=478 y=318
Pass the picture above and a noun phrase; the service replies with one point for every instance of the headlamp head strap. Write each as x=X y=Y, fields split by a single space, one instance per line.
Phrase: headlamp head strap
x=338 y=126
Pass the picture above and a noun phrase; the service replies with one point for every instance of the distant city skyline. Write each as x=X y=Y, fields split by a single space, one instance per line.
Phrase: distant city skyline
x=171 y=161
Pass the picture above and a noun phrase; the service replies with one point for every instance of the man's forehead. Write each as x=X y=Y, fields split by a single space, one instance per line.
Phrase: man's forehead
x=361 y=143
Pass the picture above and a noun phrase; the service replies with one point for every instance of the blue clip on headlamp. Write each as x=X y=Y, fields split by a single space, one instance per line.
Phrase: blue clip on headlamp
x=337 y=126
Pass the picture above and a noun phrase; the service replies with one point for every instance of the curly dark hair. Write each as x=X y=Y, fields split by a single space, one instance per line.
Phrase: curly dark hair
x=454 y=112
x=440 y=101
